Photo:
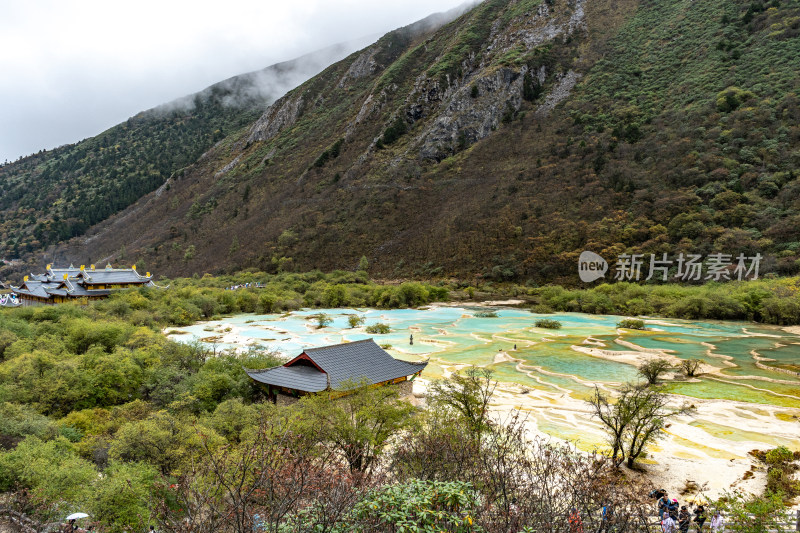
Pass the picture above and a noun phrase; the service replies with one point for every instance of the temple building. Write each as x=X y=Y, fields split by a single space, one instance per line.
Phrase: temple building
x=336 y=369
x=78 y=285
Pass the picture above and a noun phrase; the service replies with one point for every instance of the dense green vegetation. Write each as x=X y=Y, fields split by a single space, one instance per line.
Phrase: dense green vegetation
x=101 y=390
x=772 y=301
x=173 y=427
x=190 y=300
x=782 y=464
x=83 y=392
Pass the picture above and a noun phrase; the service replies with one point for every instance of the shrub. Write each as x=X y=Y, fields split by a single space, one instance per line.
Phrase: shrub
x=428 y=505
x=355 y=320
x=379 y=329
x=548 y=323
x=322 y=319
x=779 y=455
x=652 y=370
x=631 y=323
x=691 y=366
x=396 y=130
x=731 y=98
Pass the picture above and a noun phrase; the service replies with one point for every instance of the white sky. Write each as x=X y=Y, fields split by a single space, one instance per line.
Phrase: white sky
x=69 y=69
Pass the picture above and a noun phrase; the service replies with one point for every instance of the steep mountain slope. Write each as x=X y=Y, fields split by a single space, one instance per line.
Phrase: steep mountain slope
x=503 y=144
x=57 y=194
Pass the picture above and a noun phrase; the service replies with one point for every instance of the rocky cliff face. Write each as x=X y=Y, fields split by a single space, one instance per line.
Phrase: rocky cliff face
x=469 y=107
x=456 y=110
x=281 y=114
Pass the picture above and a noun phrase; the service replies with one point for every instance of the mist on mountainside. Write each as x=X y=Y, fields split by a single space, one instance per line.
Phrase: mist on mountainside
x=267 y=84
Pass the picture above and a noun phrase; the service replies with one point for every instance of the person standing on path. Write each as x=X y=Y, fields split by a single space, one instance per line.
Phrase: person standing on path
x=575 y=521
x=673 y=509
x=668 y=524
x=717 y=522
x=684 y=519
x=700 y=517
x=607 y=519
x=663 y=505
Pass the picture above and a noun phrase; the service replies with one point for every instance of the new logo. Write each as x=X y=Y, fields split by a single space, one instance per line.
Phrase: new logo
x=591 y=267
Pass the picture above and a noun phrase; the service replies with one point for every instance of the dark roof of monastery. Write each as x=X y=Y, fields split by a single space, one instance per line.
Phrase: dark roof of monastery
x=338 y=367
x=36 y=288
x=97 y=277
x=92 y=276
x=46 y=289
x=297 y=377
x=58 y=273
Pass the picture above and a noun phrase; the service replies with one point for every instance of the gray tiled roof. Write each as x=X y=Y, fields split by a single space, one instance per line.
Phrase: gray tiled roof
x=92 y=276
x=298 y=377
x=77 y=291
x=360 y=361
x=353 y=362
x=58 y=273
x=113 y=276
x=57 y=288
x=36 y=288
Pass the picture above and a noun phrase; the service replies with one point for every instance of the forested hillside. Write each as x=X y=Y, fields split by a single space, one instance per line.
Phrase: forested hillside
x=502 y=145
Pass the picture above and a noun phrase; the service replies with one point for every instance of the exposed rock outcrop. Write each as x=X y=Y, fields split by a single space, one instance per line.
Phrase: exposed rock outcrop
x=279 y=115
x=364 y=65
x=467 y=109
x=467 y=119
x=559 y=92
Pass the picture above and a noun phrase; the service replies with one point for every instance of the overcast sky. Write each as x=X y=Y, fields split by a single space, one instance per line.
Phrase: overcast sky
x=69 y=69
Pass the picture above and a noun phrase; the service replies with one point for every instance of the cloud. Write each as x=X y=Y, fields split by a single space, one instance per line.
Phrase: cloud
x=71 y=69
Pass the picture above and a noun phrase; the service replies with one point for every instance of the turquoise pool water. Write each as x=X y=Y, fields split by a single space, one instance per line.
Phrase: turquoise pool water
x=451 y=336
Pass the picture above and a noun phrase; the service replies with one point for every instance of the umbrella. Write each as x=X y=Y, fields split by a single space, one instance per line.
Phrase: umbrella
x=75 y=516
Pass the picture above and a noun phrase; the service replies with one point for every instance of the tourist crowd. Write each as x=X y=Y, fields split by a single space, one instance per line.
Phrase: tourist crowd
x=672 y=517
x=676 y=518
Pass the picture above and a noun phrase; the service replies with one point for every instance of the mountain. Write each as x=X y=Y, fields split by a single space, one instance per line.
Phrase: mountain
x=501 y=145
x=54 y=195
